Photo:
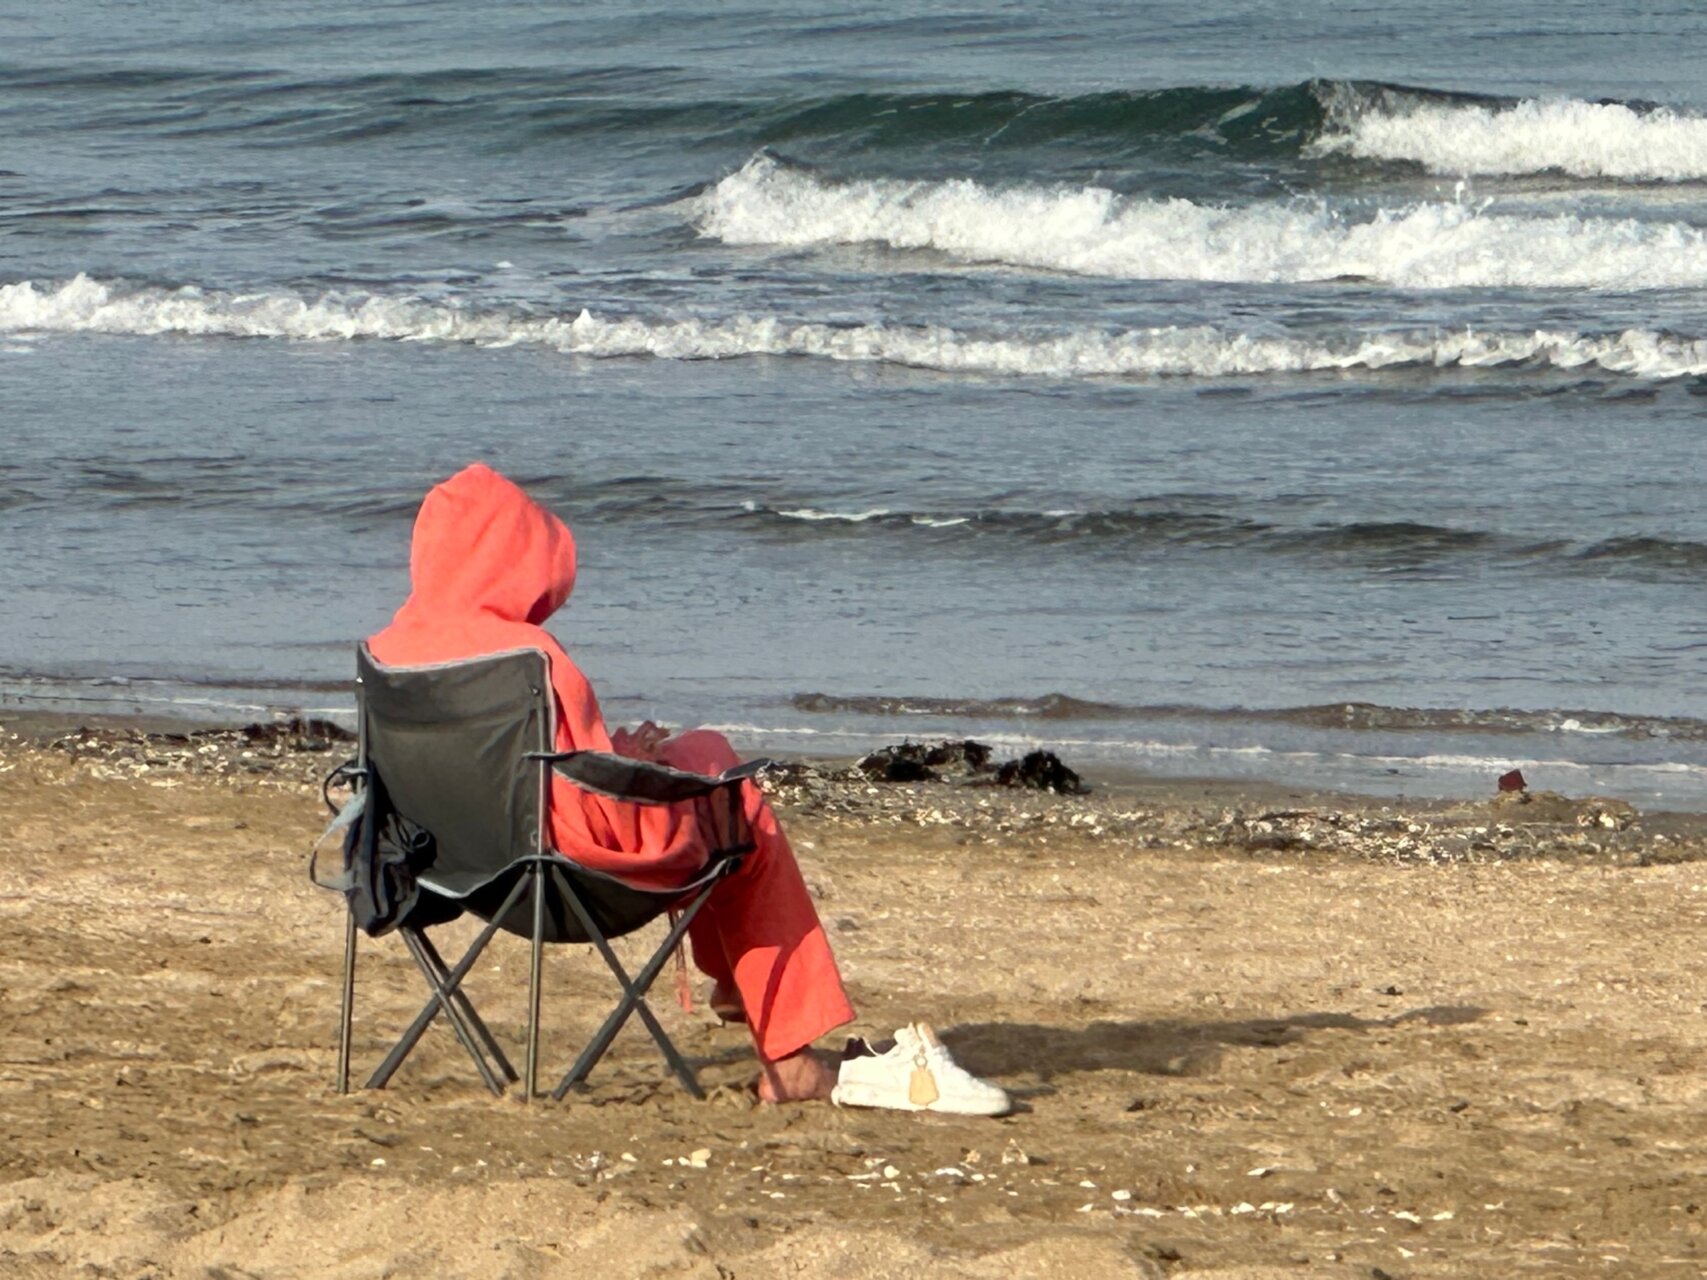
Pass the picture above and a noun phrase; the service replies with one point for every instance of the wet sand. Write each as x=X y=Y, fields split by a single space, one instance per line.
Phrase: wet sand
x=1254 y=1032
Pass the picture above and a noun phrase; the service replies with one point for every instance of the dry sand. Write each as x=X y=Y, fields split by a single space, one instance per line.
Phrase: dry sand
x=1255 y=1034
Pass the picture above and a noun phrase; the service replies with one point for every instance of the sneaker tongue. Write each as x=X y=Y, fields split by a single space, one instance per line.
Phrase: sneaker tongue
x=924 y=1032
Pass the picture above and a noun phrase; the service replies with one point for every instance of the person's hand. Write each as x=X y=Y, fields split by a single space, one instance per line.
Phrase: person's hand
x=642 y=743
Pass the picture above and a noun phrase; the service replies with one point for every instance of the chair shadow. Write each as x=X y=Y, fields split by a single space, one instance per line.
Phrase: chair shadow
x=1167 y=1047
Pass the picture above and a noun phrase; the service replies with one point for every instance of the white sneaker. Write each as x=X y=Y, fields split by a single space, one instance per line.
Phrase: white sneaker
x=917 y=1074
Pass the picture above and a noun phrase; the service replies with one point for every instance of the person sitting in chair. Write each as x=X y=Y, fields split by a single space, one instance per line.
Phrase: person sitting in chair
x=487 y=567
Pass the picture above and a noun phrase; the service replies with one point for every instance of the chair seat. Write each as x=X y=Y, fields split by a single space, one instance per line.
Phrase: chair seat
x=615 y=908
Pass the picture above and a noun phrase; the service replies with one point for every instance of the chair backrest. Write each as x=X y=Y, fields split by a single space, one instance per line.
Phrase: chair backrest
x=448 y=743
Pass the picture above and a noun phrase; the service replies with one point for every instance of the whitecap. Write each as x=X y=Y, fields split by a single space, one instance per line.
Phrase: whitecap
x=1583 y=139
x=1095 y=232
x=850 y=517
x=85 y=305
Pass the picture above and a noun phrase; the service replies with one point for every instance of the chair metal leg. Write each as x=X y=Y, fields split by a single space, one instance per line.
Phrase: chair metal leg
x=453 y=1014
x=470 y=1015
x=538 y=877
x=643 y=984
x=347 y=1012
x=633 y=999
x=453 y=980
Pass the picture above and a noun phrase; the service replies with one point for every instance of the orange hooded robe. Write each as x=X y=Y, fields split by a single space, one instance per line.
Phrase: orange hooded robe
x=487 y=567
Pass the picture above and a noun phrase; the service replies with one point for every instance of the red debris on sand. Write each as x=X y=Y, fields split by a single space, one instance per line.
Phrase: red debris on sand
x=1513 y=781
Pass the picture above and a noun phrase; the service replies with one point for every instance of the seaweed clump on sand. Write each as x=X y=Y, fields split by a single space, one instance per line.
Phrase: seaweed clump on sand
x=970 y=763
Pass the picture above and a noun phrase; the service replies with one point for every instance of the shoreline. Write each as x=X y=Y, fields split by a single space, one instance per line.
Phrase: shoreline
x=1120 y=807
x=1377 y=754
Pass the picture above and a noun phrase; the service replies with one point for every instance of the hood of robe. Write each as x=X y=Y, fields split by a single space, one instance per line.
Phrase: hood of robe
x=482 y=546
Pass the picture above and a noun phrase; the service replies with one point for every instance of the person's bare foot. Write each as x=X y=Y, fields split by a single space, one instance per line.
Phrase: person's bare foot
x=800 y=1077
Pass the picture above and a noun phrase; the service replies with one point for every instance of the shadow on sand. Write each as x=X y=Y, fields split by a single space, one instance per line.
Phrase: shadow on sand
x=1171 y=1047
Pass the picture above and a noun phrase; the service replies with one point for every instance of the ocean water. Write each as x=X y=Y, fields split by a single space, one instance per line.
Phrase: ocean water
x=1313 y=391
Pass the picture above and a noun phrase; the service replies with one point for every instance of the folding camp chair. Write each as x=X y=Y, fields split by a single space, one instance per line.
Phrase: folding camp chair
x=451 y=814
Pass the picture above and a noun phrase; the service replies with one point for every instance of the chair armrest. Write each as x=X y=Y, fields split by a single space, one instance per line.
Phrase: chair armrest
x=641 y=781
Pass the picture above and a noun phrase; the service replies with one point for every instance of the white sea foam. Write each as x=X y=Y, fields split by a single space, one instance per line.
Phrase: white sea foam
x=1583 y=139
x=83 y=305
x=1488 y=765
x=1577 y=726
x=849 y=517
x=1094 y=231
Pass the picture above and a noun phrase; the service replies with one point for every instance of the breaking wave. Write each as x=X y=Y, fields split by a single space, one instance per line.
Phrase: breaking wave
x=1094 y=231
x=1579 y=139
x=84 y=305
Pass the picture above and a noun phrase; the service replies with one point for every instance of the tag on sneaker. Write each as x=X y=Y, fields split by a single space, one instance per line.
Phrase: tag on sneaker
x=921 y=1087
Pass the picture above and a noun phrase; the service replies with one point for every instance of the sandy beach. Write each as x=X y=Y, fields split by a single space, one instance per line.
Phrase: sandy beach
x=1254 y=1033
